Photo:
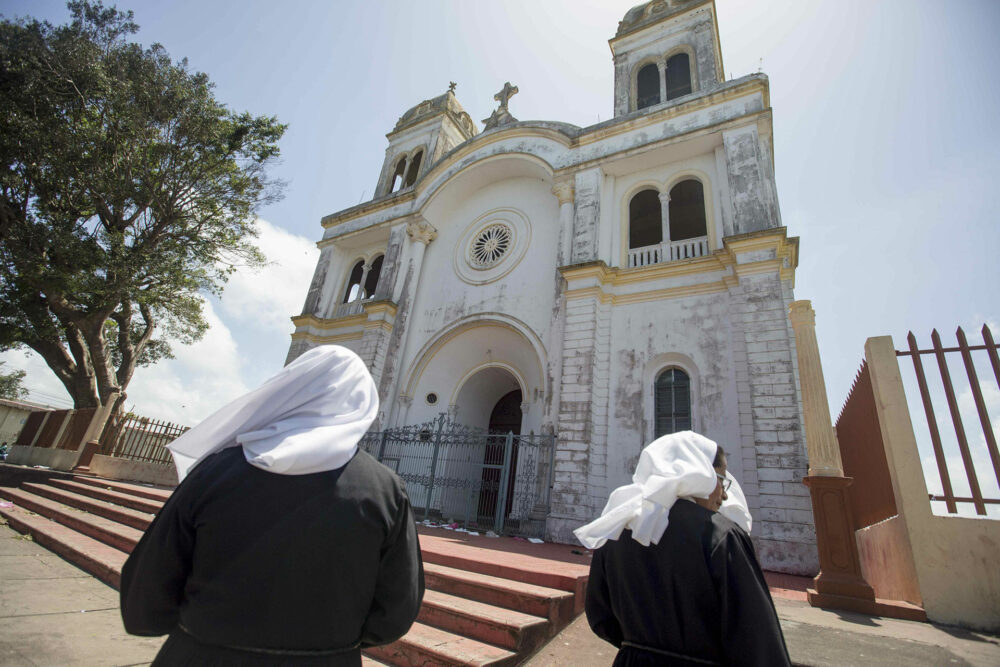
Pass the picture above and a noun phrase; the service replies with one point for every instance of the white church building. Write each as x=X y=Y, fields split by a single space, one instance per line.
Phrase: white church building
x=606 y=284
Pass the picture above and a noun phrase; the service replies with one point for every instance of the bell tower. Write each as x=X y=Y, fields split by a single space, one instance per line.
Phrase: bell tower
x=421 y=136
x=663 y=51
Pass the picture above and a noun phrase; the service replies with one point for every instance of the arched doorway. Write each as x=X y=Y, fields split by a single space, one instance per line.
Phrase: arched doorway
x=505 y=418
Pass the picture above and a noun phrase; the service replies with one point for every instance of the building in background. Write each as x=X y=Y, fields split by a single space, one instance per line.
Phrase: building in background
x=606 y=284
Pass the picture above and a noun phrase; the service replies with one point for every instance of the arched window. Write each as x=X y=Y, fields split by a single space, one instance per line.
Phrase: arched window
x=354 y=282
x=647 y=86
x=397 y=176
x=411 y=174
x=371 y=282
x=671 y=402
x=678 y=76
x=687 y=210
x=644 y=220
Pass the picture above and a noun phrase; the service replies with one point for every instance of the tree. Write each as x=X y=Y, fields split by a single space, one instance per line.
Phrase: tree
x=127 y=192
x=10 y=384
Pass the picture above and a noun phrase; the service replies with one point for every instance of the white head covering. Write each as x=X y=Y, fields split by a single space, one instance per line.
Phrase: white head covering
x=734 y=507
x=674 y=466
x=307 y=418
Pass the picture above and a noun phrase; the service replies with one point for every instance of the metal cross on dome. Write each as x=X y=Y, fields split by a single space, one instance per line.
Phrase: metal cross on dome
x=504 y=95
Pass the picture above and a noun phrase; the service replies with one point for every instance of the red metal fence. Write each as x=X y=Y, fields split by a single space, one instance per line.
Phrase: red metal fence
x=862 y=453
x=30 y=428
x=76 y=428
x=137 y=438
x=938 y=352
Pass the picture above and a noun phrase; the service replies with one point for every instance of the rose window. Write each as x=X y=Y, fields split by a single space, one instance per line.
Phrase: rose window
x=490 y=245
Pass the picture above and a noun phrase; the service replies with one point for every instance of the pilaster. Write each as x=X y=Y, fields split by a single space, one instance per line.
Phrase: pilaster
x=580 y=478
x=750 y=182
x=771 y=445
x=587 y=216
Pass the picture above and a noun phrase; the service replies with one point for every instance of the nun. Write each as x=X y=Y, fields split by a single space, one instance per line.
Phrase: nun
x=283 y=544
x=675 y=580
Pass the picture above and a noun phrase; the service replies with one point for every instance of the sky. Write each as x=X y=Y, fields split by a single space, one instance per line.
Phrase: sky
x=885 y=131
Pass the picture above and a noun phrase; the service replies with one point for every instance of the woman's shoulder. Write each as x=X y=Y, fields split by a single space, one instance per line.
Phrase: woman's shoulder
x=363 y=463
x=725 y=531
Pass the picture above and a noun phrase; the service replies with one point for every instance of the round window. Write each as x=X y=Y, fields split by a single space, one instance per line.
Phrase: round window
x=490 y=245
x=432 y=398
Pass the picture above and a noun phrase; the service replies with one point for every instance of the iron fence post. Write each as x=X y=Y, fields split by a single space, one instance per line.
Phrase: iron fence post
x=504 y=477
x=381 y=446
x=434 y=459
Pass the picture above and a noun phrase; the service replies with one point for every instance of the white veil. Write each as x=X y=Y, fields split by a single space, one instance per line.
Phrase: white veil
x=307 y=418
x=671 y=467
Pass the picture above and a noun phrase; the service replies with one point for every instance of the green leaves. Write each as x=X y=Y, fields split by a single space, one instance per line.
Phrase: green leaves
x=127 y=189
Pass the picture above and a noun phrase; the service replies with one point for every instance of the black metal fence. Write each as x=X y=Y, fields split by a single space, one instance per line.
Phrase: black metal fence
x=129 y=436
x=461 y=475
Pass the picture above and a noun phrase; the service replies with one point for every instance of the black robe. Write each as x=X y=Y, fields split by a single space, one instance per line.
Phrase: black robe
x=303 y=569
x=697 y=594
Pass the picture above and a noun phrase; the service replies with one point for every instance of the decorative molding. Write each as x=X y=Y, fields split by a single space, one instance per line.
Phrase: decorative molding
x=327 y=340
x=564 y=191
x=421 y=231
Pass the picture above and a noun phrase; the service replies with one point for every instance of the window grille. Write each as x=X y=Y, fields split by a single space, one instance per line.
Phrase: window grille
x=672 y=402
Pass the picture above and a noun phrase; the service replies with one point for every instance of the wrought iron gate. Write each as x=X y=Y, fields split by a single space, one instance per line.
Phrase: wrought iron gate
x=479 y=480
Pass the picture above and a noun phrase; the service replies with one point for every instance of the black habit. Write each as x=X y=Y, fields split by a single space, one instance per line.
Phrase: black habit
x=243 y=566
x=697 y=597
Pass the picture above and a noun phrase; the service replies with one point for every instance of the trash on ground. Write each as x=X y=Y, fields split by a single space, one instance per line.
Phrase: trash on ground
x=535 y=540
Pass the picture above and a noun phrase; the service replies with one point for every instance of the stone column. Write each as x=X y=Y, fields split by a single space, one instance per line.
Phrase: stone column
x=421 y=234
x=365 y=268
x=821 y=442
x=665 y=217
x=563 y=190
x=662 y=66
x=839 y=584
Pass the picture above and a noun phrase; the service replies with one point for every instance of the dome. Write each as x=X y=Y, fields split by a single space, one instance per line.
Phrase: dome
x=446 y=104
x=652 y=12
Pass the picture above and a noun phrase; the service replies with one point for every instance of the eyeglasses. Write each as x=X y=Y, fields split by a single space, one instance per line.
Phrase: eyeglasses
x=726 y=482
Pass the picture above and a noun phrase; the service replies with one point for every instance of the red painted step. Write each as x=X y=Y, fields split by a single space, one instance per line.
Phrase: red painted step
x=123 y=515
x=141 y=490
x=507 y=628
x=424 y=645
x=104 y=530
x=526 y=568
x=116 y=497
x=549 y=603
x=99 y=559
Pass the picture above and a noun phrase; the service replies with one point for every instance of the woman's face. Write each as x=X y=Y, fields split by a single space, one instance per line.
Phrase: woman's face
x=714 y=501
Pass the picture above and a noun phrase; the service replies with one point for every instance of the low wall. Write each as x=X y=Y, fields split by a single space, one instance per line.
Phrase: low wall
x=956 y=561
x=133 y=471
x=886 y=561
x=57 y=459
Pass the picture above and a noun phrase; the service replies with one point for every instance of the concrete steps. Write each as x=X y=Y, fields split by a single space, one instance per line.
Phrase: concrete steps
x=482 y=606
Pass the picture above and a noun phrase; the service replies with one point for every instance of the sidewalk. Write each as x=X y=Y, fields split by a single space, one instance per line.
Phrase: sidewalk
x=817 y=637
x=52 y=613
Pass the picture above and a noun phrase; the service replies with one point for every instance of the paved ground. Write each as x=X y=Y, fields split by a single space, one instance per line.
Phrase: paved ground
x=52 y=613
x=817 y=637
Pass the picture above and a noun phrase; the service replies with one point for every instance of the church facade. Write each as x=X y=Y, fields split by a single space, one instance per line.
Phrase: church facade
x=605 y=284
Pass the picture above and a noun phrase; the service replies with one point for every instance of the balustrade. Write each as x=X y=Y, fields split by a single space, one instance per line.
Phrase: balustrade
x=670 y=251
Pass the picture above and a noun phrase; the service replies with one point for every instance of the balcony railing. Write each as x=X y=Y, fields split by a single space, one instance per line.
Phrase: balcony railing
x=352 y=308
x=668 y=252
